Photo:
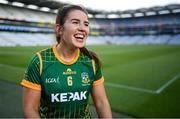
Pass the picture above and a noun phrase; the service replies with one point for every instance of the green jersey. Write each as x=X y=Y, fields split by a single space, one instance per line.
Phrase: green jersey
x=64 y=86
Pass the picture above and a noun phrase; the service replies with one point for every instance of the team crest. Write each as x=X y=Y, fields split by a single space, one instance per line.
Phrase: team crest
x=85 y=77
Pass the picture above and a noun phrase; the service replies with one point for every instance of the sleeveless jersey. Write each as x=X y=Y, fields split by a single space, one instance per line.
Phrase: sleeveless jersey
x=64 y=86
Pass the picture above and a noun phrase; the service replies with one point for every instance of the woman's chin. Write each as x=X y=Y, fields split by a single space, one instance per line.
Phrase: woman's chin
x=79 y=45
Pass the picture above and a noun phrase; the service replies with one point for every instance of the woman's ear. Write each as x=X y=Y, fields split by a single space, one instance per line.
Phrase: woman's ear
x=58 y=29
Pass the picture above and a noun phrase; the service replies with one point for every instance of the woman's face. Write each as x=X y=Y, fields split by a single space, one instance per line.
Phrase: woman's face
x=75 y=29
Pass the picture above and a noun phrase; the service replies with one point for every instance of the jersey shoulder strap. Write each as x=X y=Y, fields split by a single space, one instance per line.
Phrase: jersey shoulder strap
x=45 y=56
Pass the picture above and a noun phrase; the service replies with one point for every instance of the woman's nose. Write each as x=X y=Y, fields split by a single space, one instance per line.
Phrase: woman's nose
x=82 y=27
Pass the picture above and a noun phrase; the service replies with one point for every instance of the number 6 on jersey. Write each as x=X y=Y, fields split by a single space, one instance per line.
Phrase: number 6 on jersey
x=69 y=81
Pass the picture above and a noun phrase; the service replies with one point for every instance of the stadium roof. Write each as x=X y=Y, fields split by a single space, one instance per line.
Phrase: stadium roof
x=52 y=5
x=156 y=10
x=40 y=3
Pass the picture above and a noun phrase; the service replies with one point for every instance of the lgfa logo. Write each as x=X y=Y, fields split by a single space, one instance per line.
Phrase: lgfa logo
x=52 y=80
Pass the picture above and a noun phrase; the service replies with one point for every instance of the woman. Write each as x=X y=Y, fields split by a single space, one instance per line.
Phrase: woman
x=58 y=80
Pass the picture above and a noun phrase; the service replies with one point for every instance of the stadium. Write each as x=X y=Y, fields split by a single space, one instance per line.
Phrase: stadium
x=140 y=51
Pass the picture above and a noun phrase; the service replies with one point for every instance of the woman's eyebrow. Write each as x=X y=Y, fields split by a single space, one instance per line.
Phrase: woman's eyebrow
x=74 y=19
x=87 y=22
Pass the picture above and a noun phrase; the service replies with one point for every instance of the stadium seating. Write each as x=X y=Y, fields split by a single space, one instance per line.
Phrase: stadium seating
x=33 y=39
x=175 y=40
x=25 y=14
x=26 y=39
x=137 y=30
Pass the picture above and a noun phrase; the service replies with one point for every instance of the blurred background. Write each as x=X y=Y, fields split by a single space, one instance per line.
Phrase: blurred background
x=138 y=43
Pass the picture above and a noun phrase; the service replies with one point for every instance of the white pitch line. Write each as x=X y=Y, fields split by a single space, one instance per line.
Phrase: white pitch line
x=130 y=88
x=158 y=91
x=167 y=84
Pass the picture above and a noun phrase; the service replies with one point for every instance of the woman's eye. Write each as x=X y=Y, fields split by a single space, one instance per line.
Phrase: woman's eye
x=75 y=22
x=86 y=24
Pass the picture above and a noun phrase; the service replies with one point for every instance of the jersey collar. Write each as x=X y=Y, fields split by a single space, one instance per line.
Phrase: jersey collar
x=63 y=61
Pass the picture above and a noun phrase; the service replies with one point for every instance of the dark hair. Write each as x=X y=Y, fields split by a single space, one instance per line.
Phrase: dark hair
x=61 y=18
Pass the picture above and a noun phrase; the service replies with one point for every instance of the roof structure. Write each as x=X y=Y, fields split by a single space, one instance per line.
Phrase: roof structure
x=156 y=10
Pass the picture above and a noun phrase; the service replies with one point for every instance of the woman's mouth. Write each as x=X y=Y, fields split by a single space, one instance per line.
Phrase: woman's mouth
x=79 y=37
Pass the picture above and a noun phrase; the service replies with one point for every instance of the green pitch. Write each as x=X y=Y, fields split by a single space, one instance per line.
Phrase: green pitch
x=140 y=80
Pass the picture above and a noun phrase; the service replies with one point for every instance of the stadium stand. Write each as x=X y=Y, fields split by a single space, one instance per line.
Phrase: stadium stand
x=20 y=13
x=22 y=26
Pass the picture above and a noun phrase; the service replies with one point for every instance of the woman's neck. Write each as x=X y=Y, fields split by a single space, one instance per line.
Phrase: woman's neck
x=66 y=53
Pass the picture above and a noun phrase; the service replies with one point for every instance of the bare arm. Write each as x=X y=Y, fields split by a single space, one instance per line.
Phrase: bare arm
x=31 y=100
x=101 y=102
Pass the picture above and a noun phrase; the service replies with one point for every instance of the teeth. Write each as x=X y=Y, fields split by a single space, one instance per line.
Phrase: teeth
x=79 y=36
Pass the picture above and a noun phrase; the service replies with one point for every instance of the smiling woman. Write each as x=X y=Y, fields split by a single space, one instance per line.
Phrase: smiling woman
x=59 y=80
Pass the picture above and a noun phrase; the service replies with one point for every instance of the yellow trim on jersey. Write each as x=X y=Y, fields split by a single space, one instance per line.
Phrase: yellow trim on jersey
x=40 y=61
x=61 y=60
x=99 y=81
x=31 y=85
x=94 y=67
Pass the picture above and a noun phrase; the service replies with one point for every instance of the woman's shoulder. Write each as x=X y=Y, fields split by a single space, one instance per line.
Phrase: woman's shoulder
x=46 y=50
x=84 y=56
x=46 y=54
